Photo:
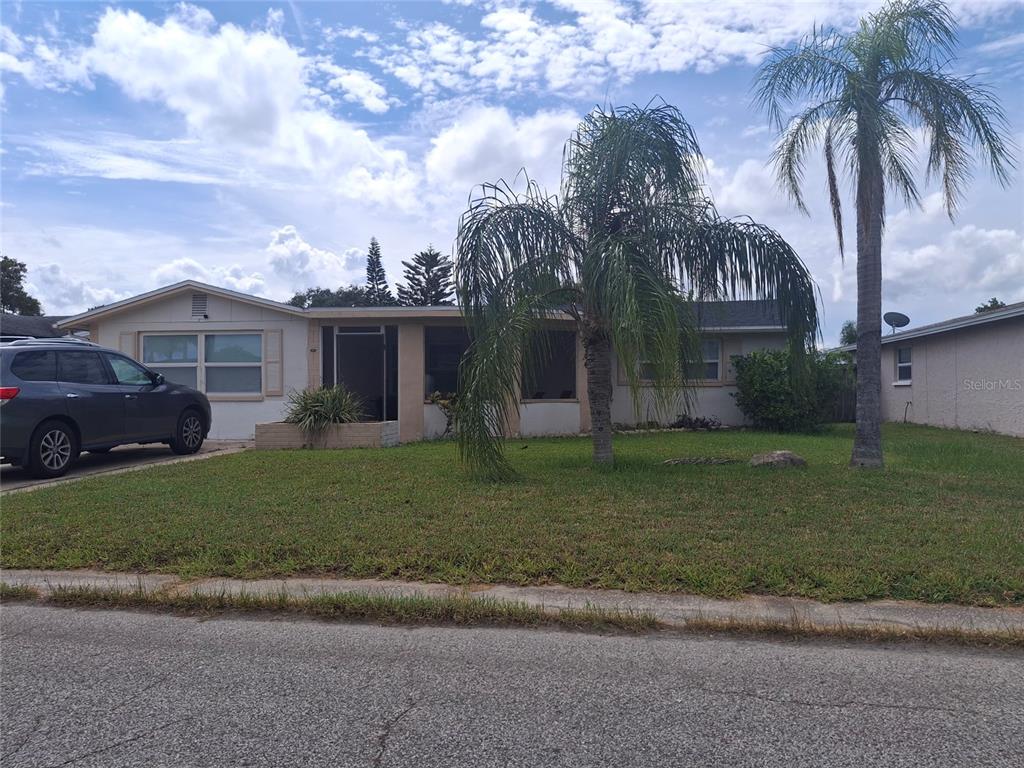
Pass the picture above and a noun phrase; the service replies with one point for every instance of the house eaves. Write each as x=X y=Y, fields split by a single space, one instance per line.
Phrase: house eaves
x=955 y=324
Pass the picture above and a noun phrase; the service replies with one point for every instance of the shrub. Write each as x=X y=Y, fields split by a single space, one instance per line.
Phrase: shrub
x=686 y=421
x=314 y=409
x=772 y=397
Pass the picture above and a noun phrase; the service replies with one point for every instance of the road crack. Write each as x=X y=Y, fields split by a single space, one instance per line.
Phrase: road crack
x=385 y=734
x=119 y=743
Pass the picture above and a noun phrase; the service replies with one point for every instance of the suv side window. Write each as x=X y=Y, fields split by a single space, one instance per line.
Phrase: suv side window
x=36 y=365
x=81 y=368
x=128 y=371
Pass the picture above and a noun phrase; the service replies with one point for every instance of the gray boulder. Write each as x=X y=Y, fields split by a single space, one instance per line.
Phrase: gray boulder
x=778 y=459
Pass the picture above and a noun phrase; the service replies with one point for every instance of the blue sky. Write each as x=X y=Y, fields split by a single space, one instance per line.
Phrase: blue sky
x=260 y=146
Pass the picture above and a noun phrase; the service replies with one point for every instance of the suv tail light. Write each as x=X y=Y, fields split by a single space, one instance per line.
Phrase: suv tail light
x=8 y=393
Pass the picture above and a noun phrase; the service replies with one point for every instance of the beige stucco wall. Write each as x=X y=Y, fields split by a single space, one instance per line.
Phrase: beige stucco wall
x=706 y=400
x=971 y=378
x=232 y=419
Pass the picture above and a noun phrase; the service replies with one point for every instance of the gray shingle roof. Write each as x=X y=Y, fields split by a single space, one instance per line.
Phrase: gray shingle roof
x=39 y=327
x=738 y=314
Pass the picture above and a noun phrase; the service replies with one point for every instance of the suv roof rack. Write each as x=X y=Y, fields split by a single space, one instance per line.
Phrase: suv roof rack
x=55 y=340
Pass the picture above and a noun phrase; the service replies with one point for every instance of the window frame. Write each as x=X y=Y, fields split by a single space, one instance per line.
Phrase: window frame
x=898 y=366
x=700 y=382
x=201 y=364
x=717 y=361
x=243 y=364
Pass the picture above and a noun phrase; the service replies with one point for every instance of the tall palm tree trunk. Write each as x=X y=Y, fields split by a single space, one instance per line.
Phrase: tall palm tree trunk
x=597 y=357
x=867 y=442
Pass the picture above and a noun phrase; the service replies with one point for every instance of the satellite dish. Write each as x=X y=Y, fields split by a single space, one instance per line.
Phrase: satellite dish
x=895 y=320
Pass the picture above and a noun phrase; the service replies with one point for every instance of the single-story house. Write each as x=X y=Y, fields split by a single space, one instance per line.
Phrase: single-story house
x=247 y=353
x=967 y=372
x=29 y=326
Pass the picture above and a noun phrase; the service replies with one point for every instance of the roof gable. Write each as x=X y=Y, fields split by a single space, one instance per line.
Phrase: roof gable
x=161 y=293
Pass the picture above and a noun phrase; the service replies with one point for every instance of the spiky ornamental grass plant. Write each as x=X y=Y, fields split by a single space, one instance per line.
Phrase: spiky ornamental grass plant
x=869 y=91
x=631 y=237
x=316 y=408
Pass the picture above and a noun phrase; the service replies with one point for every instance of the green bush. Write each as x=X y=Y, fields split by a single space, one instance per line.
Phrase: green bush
x=317 y=408
x=773 y=395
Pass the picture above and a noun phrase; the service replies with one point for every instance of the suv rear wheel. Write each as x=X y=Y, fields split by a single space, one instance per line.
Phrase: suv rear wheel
x=188 y=437
x=53 y=450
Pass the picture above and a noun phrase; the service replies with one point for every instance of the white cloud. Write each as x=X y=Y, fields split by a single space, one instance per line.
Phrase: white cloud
x=1002 y=44
x=357 y=86
x=248 y=100
x=60 y=293
x=517 y=47
x=235 y=276
x=749 y=190
x=979 y=262
x=350 y=33
x=300 y=265
x=488 y=143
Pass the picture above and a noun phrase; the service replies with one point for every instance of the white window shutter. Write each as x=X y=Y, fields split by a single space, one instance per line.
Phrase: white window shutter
x=126 y=344
x=273 y=369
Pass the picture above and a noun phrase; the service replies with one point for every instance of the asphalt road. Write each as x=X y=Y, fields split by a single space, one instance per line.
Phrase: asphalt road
x=99 y=688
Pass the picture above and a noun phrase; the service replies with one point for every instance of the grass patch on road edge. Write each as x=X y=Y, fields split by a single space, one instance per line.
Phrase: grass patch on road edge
x=482 y=611
x=12 y=592
x=354 y=606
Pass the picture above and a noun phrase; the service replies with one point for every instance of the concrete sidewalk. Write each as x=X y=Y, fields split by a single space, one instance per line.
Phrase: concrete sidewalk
x=673 y=610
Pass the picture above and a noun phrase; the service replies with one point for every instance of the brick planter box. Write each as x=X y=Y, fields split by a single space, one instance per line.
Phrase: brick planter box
x=368 y=434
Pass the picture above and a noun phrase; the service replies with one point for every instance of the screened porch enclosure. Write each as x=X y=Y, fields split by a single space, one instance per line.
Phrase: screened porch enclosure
x=365 y=360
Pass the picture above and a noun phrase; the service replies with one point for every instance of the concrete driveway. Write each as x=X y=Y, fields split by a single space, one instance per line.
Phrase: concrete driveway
x=121 y=459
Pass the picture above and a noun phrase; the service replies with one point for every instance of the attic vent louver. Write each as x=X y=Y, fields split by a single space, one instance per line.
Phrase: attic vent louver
x=198 y=305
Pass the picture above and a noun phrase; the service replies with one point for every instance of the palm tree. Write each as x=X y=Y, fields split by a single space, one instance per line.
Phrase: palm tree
x=869 y=91
x=630 y=231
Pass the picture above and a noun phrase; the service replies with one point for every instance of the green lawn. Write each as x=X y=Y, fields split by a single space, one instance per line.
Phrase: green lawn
x=943 y=522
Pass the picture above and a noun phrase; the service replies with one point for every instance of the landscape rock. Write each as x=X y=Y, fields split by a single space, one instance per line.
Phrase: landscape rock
x=778 y=459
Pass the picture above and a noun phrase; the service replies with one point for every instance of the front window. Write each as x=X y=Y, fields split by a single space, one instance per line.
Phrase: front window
x=444 y=350
x=175 y=356
x=215 y=363
x=711 y=354
x=554 y=374
x=708 y=366
x=234 y=363
x=903 y=367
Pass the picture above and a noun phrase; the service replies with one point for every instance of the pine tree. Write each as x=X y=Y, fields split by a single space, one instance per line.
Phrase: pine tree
x=428 y=280
x=377 y=291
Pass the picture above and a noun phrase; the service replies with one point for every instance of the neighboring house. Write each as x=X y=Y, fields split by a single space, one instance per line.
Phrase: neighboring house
x=967 y=372
x=247 y=353
x=29 y=326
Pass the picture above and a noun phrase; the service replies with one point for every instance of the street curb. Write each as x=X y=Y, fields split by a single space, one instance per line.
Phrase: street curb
x=755 y=613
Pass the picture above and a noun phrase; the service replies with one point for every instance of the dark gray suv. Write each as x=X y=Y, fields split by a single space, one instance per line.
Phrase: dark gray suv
x=59 y=397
